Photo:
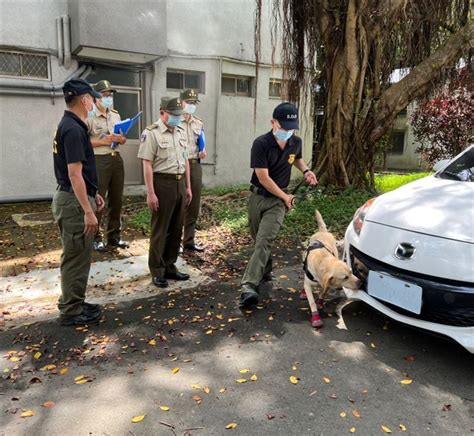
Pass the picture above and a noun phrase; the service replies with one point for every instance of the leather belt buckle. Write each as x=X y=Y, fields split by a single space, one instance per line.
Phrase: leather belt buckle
x=179 y=176
x=115 y=153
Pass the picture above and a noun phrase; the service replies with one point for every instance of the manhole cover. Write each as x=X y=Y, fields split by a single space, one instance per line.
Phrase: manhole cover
x=32 y=219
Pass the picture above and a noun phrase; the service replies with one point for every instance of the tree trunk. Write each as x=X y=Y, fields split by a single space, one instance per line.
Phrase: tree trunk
x=359 y=114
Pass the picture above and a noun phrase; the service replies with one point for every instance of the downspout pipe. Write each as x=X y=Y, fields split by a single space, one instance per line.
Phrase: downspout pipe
x=59 y=35
x=67 y=41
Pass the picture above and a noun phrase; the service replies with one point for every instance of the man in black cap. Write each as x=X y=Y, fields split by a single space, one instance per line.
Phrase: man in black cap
x=75 y=203
x=110 y=168
x=272 y=157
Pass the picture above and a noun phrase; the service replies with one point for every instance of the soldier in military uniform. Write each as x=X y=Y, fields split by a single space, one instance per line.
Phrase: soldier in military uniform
x=166 y=172
x=194 y=131
x=75 y=203
x=272 y=157
x=110 y=170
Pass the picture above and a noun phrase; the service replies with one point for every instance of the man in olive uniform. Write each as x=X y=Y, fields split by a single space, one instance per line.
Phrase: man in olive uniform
x=109 y=163
x=195 y=140
x=272 y=157
x=166 y=172
x=75 y=203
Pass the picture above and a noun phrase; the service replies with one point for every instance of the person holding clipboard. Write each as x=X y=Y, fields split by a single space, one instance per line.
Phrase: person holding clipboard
x=110 y=168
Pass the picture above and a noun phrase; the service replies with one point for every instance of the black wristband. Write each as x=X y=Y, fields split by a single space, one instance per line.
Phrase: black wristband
x=306 y=170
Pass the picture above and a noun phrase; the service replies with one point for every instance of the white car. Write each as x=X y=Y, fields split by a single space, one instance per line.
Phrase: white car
x=413 y=249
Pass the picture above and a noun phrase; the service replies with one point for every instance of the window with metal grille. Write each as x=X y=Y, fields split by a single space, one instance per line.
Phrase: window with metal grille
x=179 y=80
x=24 y=65
x=275 y=88
x=237 y=85
x=397 y=142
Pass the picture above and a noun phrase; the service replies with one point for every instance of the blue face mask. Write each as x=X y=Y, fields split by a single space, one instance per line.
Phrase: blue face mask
x=283 y=135
x=189 y=108
x=92 y=113
x=173 y=120
x=108 y=102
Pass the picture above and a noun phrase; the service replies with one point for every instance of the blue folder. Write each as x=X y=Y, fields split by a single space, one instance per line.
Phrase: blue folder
x=124 y=127
x=201 y=141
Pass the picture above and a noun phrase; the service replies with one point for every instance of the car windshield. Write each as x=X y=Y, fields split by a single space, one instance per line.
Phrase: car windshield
x=460 y=169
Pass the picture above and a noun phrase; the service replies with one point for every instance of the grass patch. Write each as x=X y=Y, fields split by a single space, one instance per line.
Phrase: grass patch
x=226 y=207
x=389 y=182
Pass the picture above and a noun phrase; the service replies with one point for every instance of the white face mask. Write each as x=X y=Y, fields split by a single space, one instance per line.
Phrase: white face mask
x=189 y=108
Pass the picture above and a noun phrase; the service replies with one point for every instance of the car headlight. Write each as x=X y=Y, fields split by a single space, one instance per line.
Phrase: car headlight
x=359 y=216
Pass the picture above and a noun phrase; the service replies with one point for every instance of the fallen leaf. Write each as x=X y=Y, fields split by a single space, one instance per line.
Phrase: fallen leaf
x=269 y=416
x=326 y=380
x=175 y=370
x=152 y=342
x=343 y=414
x=231 y=426
x=241 y=380
x=209 y=332
x=294 y=368
x=195 y=386
x=221 y=391
x=63 y=371
x=402 y=427
x=244 y=371
x=356 y=413
x=386 y=429
x=197 y=398
x=254 y=377
x=27 y=413
x=206 y=390
x=352 y=430
x=409 y=358
x=139 y=418
x=283 y=277
x=81 y=381
x=294 y=380
x=372 y=345
x=79 y=377
x=406 y=382
x=14 y=359
x=37 y=355
x=49 y=404
x=165 y=408
x=447 y=408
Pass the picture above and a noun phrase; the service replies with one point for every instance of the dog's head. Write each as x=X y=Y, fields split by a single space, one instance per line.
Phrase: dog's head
x=340 y=276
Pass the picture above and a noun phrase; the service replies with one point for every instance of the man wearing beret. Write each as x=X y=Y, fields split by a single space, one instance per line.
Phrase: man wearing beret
x=166 y=172
x=75 y=202
x=110 y=169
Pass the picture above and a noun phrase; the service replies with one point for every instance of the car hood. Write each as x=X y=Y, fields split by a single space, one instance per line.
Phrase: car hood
x=431 y=205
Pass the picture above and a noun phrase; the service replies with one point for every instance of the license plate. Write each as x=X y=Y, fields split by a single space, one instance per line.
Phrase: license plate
x=395 y=291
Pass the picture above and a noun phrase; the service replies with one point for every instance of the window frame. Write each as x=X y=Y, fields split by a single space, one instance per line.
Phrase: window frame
x=201 y=74
x=236 y=77
x=271 y=81
x=391 y=151
x=26 y=53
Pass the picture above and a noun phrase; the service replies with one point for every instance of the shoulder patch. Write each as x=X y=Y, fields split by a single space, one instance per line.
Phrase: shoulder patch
x=151 y=126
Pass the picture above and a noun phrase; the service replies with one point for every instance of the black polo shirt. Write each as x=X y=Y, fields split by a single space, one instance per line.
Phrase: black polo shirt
x=266 y=153
x=72 y=144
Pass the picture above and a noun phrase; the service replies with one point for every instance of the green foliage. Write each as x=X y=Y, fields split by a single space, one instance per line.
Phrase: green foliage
x=336 y=206
x=389 y=182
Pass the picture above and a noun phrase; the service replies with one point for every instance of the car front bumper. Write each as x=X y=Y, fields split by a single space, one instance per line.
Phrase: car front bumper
x=447 y=308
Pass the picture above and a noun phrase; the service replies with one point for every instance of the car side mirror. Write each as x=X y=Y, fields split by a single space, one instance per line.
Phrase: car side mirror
x=441 y=164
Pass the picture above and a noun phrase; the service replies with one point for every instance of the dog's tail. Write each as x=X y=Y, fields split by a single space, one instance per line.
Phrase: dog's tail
x=319 y=219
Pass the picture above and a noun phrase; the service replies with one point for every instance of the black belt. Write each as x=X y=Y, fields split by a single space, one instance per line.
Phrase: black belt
x=169 y=176
x=90 y=191
x=263 y=192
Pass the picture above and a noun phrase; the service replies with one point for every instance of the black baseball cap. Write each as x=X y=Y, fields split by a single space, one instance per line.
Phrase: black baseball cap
x=287 y=115
x=76 y=87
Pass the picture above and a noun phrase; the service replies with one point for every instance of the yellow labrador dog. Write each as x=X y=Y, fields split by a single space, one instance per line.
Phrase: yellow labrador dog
x=324 y=270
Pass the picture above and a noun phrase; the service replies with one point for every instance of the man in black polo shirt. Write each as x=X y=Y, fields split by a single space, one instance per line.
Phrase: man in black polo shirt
x=75 y=203
x=272 y=157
